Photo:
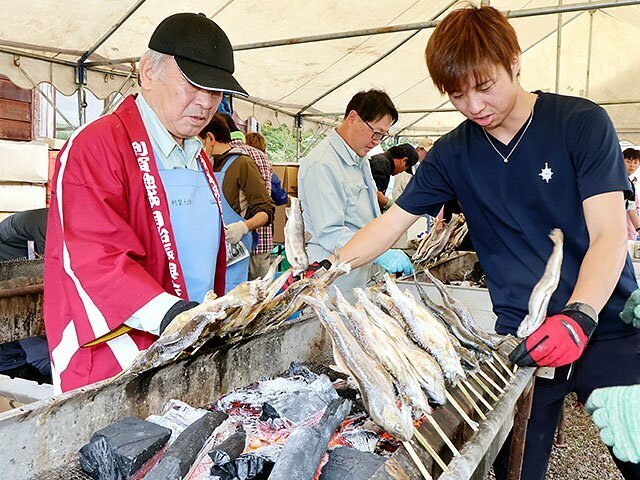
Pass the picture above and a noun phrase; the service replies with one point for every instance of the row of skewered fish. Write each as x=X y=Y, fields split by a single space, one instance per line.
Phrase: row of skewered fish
x=441 y=241
x=389 y=342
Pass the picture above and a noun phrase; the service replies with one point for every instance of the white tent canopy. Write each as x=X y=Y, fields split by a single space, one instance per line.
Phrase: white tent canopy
x=595 y=55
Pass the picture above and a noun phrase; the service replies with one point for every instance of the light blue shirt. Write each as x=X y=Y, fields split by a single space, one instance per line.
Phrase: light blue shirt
x=170 y=156
x=338 y=195
x=165 y=147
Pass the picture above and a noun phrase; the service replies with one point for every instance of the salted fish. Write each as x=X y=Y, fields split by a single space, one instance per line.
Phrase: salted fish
x=542 y=292
x=374 y=383
x=464 y=314
x=428 y=372
x=294 y=238
x=450 y=320
x=427 y=331
x=374 y=342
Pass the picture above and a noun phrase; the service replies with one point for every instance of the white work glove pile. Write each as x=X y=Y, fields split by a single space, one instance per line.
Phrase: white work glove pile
x=235 y=231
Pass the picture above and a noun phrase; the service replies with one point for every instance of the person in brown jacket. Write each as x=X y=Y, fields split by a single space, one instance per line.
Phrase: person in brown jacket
x=247 y=204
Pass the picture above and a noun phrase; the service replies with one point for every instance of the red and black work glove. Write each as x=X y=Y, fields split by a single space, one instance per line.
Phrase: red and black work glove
x=559 y=341
x=313 y=268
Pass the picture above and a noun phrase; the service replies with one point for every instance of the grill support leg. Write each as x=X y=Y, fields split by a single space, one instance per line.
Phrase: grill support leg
x=523 y=412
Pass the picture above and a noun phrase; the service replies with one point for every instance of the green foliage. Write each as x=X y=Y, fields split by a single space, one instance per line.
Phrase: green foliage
x=281 y=142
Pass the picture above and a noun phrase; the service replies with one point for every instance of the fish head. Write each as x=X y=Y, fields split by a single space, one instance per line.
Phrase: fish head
x=398 y=421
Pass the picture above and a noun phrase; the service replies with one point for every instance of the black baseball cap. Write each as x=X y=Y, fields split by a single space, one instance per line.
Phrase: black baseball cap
x=201 y=49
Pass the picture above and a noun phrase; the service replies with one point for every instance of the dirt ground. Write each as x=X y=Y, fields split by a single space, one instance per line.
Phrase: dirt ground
x=585 y=456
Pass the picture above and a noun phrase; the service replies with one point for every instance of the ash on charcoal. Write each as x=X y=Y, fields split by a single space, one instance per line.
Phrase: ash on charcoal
x=293 y=398
x=122 y=448
x=183 y=453
x=350 y=463
x=296 y=369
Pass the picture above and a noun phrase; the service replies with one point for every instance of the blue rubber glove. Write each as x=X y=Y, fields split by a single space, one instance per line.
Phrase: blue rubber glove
x=615 y=411
x=395 y=261
x=631 y=312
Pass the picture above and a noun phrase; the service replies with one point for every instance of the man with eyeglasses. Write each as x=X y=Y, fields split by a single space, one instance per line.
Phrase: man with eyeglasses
x=337 y=189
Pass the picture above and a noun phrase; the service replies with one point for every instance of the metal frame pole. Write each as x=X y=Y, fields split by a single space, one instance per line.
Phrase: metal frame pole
x=558 y=48
x=110 y=32
x=531 y=12
x=375 y=62
x=589 y=47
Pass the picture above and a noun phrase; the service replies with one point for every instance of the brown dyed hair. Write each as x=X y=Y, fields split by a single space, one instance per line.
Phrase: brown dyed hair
x=257 y=140
x=471 y=41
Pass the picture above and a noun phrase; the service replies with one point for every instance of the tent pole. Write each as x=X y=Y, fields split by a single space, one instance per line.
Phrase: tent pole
x=558 y=48
x=110 y=32
x=16 y=63
x=531 y=12
x=82 y=105
x=589 y=46
x=298 y=133
x=375 y=62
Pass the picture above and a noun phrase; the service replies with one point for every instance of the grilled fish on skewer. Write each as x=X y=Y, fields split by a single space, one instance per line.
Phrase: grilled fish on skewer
x=373 y=342
x=427 y=331
x=373 y=381
x=463 y=313
x=542 y=292
x=427 y=369
x=451 y=321
x=294 y=238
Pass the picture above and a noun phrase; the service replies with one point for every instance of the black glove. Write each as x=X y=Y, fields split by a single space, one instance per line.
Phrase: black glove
x=313 y=268
x=177 y=308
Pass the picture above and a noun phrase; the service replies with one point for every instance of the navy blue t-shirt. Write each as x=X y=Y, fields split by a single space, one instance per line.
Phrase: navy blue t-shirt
x=569 y=153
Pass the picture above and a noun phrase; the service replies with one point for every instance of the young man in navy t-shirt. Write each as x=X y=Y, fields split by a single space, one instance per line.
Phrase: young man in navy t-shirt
x=522 y=164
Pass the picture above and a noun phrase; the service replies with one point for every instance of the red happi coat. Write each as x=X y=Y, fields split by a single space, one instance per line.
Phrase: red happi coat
x=104 y=255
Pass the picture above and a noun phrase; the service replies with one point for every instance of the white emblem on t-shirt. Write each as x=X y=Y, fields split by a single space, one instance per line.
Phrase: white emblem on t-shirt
x=546 y=173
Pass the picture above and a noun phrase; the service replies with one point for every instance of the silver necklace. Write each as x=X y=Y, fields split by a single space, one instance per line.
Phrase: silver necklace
x=506 y=159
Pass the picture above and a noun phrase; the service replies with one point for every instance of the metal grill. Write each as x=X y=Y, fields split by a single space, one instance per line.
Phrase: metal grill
x=67 y=472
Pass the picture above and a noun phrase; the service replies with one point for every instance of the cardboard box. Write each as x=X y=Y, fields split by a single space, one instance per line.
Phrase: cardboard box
x=281 y=171
x=292 y=180
x=16 y=198
x=288 y=173
x=278 y=224
x=26 y=162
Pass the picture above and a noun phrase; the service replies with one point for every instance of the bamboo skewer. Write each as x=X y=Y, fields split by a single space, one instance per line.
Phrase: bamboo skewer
x=498 y=374
x=484 y=386
x=414 y=456
x=502 y=364
x=423 y=441
x=471 y=401
x=490 y=381
x=443 y=435
x=478 y=396
x=463 y=414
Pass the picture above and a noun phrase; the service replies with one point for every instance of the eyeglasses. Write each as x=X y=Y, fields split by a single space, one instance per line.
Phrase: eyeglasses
x=376 y=136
